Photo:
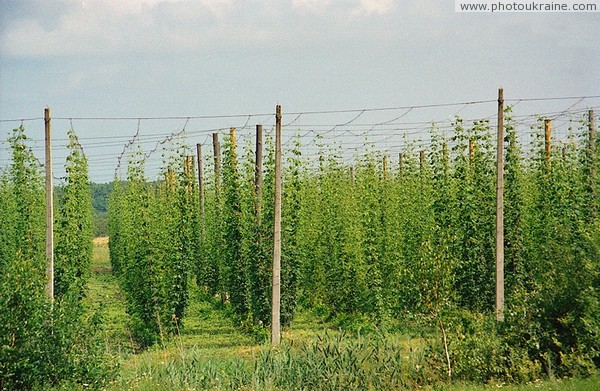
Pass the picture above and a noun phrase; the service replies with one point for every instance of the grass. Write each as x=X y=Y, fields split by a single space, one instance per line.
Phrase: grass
x=208 y=334
x=211 y=353
x=104 y=295
x=590 y=384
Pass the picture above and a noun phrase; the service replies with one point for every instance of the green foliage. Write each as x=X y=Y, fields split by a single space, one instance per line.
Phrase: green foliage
x=517 y=270
x=423 y=241
x=210 y=267
x=290 y=259
x=330 y=362
x=73 y=228
x=337 y=362
x=44 y=343
x=23 y=328
x=100 y=224
x=554 y=315
x=479 y=352
x=234 y=267
x=256 y=243
x=236 y=255
x=153 y=229
x=475 y=197
x=367 y=245
x=26 y=186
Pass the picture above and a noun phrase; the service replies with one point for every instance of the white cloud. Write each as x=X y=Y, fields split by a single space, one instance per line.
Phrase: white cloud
x=218 y=7
x=119 y=7
x=38 y=28
x=344 y=7
x=311 y=6
x=110 y=26
x=378 y=7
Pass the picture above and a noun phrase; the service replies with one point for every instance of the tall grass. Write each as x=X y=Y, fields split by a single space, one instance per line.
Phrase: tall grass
x=333 y=361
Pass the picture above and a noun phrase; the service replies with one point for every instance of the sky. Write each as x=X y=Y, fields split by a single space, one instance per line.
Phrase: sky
x=195 y=58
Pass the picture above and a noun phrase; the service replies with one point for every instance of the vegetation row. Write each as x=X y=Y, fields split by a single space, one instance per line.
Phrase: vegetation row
x=44 y=342
x=371 y=246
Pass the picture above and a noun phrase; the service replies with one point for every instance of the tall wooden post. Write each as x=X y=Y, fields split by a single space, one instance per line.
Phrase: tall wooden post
x=233 y=139
x=170 y=180
x=217 y=155
x=218 y=201
x=189 y=162
x=400 y=162
x=592 y=133
x=258 y=175
x=200 y=180
x=592 y=159
x=547 y=140
x=276 y=299
x=385 y=164
x=49 y=209
x=500 y=211
x=422 y=162
x=446 y=157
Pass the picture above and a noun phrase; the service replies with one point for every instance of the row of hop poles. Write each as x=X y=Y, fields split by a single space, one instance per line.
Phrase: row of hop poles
x=422 y=164
x=258 y=182
x=275 y=332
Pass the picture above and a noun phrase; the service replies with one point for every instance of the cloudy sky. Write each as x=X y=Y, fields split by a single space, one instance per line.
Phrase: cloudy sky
x=150 y=58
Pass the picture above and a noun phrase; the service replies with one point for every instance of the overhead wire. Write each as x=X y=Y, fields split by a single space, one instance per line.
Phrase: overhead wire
x=352 y=134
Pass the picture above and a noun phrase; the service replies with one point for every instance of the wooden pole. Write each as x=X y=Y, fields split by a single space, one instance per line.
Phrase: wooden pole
x=49 y=209
x=217 y=158
x=233 y=140
x=275 y=314
x=217 y=155
x=385 y=164
x=500 y=211
x=446 y=157
x=471 y=153
x=352 y=176
x=592 y=132
x=187 y=165
x=170 y=179
x=189 y=162
x=218 y=206
x=258 y=175
x=200 y=179
x=547 y=139
x=422 y=161
x=191 y=176
x=592 y=158
x=400 y=162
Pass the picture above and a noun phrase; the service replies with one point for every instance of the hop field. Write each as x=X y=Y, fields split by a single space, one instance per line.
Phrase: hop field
x=388 y=266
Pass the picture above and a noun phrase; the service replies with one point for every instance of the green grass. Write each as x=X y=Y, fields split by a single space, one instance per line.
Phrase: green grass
x=211 y=353
x=105 y=296
x=590 y=384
